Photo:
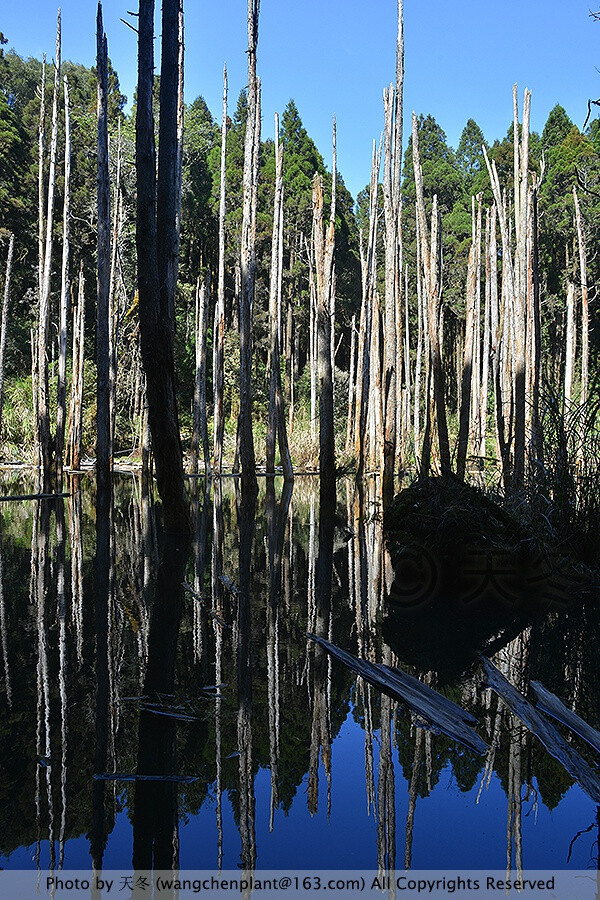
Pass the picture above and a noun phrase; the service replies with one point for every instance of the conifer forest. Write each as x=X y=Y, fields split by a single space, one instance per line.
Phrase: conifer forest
x=299 y=491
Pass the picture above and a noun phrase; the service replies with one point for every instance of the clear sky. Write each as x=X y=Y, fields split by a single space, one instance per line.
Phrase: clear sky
x=334 y=57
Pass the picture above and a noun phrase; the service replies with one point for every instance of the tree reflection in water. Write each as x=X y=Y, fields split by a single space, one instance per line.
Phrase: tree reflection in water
x=90 y=626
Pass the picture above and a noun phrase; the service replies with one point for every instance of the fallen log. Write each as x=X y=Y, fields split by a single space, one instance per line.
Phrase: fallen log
x=544 y=730
x=550 y=704
x=441 y=713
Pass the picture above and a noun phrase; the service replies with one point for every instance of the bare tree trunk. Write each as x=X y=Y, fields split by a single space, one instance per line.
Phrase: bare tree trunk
x=3 y=326
x=155 y=303
x=200 y=429
x=324 y=247
x=103 y=448
x=43 y=422
x=248 y=255
x=585 y=315
x=505 y=318
x=312 y=343
x=392 y=334
x=351 y=386
x=112 y=304
x=485 y=360
x=418 y=366
x=363 y=367
x=464 y=426
x=276 y=425
x=570 y=339
x=430 y=254
x=76 y=405
x=61 y=392
x=219 y=327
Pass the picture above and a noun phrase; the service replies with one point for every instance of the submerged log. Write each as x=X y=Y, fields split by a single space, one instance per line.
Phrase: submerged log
x=441 y=713
x=550 y=704
x=546 y=733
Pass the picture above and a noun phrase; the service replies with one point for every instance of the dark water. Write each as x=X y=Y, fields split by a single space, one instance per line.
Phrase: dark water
x=276 y=754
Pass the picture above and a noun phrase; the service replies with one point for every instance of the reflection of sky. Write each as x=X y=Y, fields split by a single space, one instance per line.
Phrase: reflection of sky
x=450 y=829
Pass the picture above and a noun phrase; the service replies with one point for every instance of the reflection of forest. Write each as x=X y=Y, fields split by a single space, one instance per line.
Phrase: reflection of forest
x=249 y=691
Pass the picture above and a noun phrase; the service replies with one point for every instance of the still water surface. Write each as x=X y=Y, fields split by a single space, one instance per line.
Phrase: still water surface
x=278 y=756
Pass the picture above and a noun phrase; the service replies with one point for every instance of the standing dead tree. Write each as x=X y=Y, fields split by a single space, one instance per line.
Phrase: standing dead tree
x=276 y=424
x=363 y=365
x=75 y=426
x=4 y=323
x=61 y=390
x=392 y=331
x=585 y=314
x=156 y=298
x=103 y=448
x=430 y=254
x=219 y=323
x=43 y=411
x=324 y=246
x=248 y=254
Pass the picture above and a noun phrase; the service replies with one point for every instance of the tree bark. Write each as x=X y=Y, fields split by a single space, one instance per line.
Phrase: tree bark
x=154 y=302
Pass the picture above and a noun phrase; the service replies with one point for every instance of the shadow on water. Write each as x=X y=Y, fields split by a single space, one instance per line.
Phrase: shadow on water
x=197 y=727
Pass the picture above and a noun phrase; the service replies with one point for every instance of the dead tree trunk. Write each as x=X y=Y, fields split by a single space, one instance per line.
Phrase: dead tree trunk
x=200 y=428
x=464 y=426
x=103 y=449
x=276 y=424
x=76 y=405
x=43 y=420
x=324 y=247
x=61 y=392
x=3 y=326
x=248 y=256
x=155 y=300
x=363 y=367
x=351 y=386
x=392 y=328
x=570 y=340
x=430 y=256
x=585 y=315
x=219 y=326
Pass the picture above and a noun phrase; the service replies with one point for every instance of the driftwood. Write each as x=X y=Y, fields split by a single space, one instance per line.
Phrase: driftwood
x=443 y=714
x=554 y=743
x=552 y=706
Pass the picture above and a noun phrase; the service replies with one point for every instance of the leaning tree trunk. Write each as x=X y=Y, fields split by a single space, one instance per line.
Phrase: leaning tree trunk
x=3 y=325
x=61 y=392
x=156 y=300
x=248 y=256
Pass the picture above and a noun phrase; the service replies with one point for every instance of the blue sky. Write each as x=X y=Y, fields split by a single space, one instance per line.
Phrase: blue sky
x=334 y=57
